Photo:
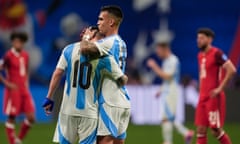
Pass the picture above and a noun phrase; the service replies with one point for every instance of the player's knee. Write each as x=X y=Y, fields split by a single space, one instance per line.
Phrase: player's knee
x=201 y=130
x=216 y=131
x=31 y=119
x=11 y=118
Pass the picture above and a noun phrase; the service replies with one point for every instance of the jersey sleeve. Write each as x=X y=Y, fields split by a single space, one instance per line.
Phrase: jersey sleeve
x=5 y=61
x=220 y=57
x=111 y=68
x=104 y=46
x=171 y=67
x=62 y=62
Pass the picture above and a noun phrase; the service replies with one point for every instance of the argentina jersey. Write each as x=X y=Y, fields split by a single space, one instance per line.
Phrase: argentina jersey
x=83 y=78
x=111 y=93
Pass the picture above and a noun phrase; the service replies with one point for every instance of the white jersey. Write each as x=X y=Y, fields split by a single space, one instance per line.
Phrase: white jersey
x=83 y=78
x=111 y=94
x=171 y=66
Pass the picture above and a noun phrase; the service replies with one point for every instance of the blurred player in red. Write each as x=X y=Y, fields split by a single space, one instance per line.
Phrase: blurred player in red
x=215 y=70
x=17 y=99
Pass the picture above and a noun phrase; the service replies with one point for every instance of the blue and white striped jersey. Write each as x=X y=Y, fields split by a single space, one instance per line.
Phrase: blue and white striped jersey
x=83 y=78
x=111 y=94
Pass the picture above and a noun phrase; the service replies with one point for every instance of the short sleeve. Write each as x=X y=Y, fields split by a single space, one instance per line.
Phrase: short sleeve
x=62 y=62
x=221 y=58
x=104 y=46
x=5 y=61
x=111 y=67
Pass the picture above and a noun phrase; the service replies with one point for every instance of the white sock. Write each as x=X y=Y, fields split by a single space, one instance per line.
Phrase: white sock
x=167 y=131
x=181 y=128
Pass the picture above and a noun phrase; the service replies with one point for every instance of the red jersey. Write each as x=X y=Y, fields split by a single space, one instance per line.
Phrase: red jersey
x=210 y=70
x=16 y=65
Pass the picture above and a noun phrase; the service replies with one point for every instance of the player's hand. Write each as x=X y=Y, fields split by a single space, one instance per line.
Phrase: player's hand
x=10 y=85
x=151 y=63
x=215 y=92
x=48 y=105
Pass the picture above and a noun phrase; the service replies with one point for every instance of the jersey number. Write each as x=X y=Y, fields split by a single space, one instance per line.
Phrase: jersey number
x=85 y=74
x=214 y=118
x=122 y=62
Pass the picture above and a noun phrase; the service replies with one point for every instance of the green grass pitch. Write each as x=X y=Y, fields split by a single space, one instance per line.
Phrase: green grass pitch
x=43 y=133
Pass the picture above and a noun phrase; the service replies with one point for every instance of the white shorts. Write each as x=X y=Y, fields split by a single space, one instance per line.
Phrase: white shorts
x=72 y=128
x=169 y=105
x=113 y=121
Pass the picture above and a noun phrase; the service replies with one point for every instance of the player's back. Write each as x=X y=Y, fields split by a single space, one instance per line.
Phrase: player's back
x=210 y=70
x=83 y=78
x=16 y=65
x=111 y=93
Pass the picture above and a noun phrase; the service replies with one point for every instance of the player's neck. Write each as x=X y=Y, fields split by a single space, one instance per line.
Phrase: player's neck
x=113 y=32
x=207 y=49
x=168 y=54
x=15 y=50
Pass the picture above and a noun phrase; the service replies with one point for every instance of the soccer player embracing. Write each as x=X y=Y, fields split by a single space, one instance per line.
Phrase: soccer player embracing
x=17 y=98
x=215 y=70
x=78 y=116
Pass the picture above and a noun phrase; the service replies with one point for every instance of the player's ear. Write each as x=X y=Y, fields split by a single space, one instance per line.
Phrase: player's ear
x=111 y=22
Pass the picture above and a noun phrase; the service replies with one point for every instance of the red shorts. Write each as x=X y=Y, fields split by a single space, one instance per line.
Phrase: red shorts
x=18 y=101
x=211 y=113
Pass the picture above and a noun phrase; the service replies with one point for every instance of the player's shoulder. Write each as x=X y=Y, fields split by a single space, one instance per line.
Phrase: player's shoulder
x=8 y=54
x=200 y=54
x=173 y=59
x=24 y=53
x=216 y=49
x=69 y=48
x=111 y=38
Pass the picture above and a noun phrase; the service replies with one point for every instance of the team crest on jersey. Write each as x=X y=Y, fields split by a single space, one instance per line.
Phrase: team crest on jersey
x=224 y=57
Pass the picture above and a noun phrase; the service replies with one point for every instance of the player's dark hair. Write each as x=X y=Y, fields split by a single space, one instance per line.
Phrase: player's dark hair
x=94 y=28
x=114 y=10
x=19 y=35
x=206 y=31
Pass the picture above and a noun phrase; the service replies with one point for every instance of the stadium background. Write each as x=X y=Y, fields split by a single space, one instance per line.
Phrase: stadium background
x=145 y=22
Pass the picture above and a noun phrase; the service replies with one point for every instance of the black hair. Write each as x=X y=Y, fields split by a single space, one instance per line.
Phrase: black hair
x=19 y=35
x=93 y=28
x=114 y=10
x=206 y=31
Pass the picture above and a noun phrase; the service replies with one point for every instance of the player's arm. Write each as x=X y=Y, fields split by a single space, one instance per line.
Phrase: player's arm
x=113 y=70
x=4 y=80
x=99 y=48
x=162 y=74
x=55 y=81
x=89 y=48
x=230 y=69
x=48 y=103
